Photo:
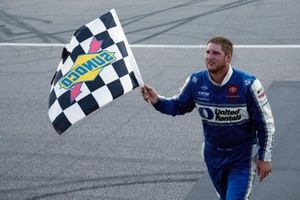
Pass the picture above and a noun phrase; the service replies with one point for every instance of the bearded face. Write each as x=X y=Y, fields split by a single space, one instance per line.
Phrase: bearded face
x=216 y=59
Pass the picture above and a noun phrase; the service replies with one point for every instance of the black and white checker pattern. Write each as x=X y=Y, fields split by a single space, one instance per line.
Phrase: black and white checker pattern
x=113 y=81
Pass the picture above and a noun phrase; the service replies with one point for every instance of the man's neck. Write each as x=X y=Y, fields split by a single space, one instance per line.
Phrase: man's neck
x=218 y=77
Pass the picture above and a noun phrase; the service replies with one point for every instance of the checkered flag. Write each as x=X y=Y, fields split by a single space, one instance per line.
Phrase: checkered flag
x=97 y=66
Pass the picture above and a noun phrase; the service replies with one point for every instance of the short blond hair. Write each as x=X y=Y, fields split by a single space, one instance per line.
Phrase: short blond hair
x=226 y=44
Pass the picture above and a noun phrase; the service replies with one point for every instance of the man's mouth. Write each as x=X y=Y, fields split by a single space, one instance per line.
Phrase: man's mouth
x=210 y=63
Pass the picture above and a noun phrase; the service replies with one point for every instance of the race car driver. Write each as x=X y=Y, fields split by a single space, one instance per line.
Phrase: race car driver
x=237 y=120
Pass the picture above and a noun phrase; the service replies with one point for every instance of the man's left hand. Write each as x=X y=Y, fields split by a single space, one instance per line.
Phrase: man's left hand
x=263 y=169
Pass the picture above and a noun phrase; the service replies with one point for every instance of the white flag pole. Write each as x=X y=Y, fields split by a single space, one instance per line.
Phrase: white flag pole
x=129 y=51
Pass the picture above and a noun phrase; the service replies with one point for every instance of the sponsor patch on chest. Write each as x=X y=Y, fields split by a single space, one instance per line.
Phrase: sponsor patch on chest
x=223 y=114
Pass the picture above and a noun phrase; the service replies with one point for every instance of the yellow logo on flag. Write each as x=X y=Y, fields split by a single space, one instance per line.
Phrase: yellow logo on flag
x=86 y=68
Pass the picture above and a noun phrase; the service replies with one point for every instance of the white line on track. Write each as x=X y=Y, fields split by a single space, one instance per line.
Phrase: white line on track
x=204 y=46
x=271 y=46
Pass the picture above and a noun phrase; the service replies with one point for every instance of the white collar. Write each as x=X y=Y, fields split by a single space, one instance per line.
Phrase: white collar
x=226 y=78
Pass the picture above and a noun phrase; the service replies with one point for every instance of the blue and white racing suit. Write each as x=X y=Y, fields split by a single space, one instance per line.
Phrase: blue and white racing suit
x=236 y=116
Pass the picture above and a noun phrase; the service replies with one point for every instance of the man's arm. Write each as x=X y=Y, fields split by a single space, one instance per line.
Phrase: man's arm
x=262 y=119
x=177 y=105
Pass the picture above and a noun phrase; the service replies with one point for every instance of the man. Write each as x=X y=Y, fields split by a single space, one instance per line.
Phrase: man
x=236 y=118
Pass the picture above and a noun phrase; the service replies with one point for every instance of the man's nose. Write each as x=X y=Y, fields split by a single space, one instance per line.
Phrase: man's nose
x=209 y=56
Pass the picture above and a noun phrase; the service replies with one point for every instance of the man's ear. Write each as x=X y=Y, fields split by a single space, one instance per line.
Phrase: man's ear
x=228 y=58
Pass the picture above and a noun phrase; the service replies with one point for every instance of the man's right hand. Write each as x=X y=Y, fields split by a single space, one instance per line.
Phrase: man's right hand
x=149 y=94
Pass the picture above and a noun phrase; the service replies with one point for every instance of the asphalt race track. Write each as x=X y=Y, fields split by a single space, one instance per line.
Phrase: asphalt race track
x=127 y=150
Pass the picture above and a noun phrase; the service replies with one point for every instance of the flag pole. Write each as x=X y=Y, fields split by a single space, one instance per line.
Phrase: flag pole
x=134 y=64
